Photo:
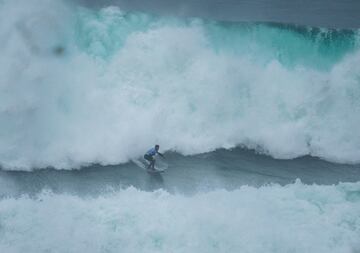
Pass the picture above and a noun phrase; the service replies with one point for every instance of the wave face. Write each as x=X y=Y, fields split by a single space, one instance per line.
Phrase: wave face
x=320 y=218
x=79 y=86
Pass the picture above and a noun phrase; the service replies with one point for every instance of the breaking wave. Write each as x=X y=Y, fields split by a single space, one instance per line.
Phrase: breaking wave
x=79 y=86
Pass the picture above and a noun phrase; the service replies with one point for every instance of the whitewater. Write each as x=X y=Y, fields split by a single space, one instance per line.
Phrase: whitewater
x=295 y=218
x=258 y=122
x=70 y=79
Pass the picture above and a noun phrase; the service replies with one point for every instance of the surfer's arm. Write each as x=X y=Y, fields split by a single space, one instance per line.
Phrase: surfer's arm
x=161 y=155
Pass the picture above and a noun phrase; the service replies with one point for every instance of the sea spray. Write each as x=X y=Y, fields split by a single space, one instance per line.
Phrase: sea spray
x=79 y=86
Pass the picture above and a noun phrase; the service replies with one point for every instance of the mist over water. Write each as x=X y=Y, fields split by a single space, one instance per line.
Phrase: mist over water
x=98 y=86
x=258 y=122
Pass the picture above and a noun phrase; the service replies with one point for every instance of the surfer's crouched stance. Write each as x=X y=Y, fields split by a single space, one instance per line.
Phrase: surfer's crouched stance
x=149 y=156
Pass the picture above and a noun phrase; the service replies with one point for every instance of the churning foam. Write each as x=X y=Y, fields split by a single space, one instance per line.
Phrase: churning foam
x=79 y=86
x=294 y=218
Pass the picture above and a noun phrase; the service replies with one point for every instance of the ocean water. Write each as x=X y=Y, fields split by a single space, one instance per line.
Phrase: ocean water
x=319 y=13
x=258 y=122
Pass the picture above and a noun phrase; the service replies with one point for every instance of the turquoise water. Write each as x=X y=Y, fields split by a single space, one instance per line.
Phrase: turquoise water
x=85 y=91
x=102 y=33
x=283 y=90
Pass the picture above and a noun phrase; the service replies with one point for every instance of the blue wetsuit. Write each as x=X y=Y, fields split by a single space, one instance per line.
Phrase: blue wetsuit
x=149 y=156
x=151 y=152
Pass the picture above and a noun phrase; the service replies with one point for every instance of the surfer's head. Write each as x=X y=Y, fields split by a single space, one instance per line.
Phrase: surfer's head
x=157 y=147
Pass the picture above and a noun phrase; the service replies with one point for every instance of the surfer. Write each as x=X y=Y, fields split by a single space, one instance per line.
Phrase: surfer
x=149 y=156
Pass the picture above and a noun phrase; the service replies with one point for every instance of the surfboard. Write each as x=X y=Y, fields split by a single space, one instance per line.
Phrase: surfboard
x=143 y=164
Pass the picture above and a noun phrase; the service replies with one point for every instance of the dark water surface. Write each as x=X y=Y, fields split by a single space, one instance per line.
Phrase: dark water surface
x=320 y=13
x=221 y=169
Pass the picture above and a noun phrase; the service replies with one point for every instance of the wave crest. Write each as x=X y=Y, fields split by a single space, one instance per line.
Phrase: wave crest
x=104 y=86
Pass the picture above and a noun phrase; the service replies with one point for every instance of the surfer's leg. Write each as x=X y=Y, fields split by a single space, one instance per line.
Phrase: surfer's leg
x=151 y=161
x=151 y=164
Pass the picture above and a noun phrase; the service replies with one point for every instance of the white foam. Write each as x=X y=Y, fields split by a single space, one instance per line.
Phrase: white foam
x=294 y=218
x=164 y=84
